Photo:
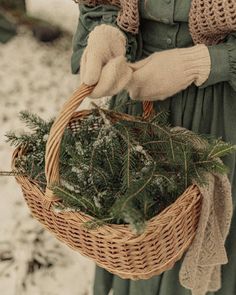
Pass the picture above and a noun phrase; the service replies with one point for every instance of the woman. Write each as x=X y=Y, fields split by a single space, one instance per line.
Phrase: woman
x=196 y=84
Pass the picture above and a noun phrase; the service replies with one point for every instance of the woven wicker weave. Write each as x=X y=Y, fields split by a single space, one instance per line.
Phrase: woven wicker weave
x=113 y=247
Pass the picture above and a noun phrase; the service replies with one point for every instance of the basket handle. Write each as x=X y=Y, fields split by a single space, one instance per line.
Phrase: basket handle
x=56 y=134
x=55 y=137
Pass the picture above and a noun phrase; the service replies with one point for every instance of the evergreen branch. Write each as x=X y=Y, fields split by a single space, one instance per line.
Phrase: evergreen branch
x=197 y=173
x=154 y=142
x=33 y=121
x=218 y=142
x=96 y=222
x=70 y=198
x=109 y=164
x=112 y=152
x=101 y=173
x=172 y=149
x=153 y=125
x=185 y=169
x=163 y=176
x=223 y=152
x=140 y=189
x=92 y=168
x=160 y=118
x=126 y=165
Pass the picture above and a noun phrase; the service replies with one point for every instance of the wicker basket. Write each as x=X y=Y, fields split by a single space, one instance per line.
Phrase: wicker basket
x=113 y=247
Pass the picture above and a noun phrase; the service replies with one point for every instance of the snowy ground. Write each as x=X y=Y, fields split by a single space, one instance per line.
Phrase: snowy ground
x=61 y=12
x=36 y=77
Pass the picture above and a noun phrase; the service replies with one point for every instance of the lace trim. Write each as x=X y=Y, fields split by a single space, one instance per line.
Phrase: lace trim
x=201 y=268
x=128 y=16
x=210 y=21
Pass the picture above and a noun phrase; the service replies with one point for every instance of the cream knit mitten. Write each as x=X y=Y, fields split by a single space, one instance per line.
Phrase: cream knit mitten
x=103 y=61
x=165 y=73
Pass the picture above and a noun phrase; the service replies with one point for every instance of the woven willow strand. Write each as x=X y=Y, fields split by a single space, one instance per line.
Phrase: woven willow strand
x=10 y=173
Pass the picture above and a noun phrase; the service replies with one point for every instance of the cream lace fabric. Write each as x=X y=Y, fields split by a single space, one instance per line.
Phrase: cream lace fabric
x=210 y=21
x=201 y=268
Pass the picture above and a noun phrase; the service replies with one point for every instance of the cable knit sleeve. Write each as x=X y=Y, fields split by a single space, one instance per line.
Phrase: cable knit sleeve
x=223 y=63
x=89 y=18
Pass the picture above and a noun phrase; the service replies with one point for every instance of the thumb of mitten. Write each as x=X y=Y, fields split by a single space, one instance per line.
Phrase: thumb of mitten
x=115 y=75
x=91 y=67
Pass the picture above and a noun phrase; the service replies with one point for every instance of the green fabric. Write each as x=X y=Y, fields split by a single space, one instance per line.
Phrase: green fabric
x=89 y=18
x=13 y=4
x=209 y=109
x=7 y=29
x=223 y=60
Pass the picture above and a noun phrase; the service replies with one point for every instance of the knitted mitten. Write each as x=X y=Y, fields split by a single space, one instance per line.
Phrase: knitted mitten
x=103 y=61
x=165 y=73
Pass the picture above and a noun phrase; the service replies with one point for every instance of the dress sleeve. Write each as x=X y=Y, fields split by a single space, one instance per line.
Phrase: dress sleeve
x=223 y=63
x=89 y=18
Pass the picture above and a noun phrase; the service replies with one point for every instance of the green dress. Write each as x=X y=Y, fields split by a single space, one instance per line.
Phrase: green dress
x=209 y=109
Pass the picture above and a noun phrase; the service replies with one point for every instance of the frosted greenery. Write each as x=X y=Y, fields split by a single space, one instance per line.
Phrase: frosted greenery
x=122 y=172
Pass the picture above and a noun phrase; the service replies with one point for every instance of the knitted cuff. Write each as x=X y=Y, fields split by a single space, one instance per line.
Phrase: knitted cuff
x=220 y=65
x=197 y=63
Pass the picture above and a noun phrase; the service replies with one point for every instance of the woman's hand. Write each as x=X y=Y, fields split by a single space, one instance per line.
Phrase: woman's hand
x=103 y=61
x=165 y=73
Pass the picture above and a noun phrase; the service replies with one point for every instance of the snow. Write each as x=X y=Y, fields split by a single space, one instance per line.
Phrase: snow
x=61 y=12
x=138 y=148
x=36 y=77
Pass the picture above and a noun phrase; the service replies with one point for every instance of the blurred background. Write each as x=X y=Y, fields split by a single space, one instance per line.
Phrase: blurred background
x=35 y=51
